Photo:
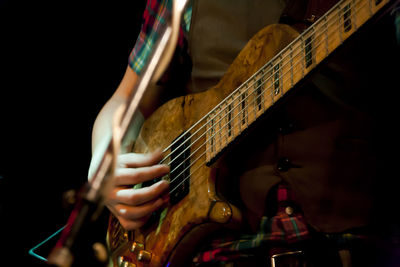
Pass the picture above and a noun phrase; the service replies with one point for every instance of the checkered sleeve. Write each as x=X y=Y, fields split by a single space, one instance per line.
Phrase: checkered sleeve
x=153 y=21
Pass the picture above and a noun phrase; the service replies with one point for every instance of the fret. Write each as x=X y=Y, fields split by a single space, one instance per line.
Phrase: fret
x=326 y=36
x=302 y=57
x=377 y=4
x=309 y=49
x=267 y=90
x=370 y=7
x=244 y=108
x=347 y=17
x=297 y=61
x=218 y=130
x=354 y=14
x=210 y=151
x=237 y=118
x=291 y=67
x=224 y=124
x=277 y=79
x=286 y=70
x=266 y=95
x=319 y=43
x=335 y=38
x=229 y=122
x=258 y=103
x=339 y=13
x=364 y=12
x=346 y=20
x=215 y=132
x=262 y=92
x=211 y=132
x=258 y=99
x=250 y=101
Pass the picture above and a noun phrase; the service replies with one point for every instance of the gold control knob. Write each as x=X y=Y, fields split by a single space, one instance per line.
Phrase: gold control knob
x=128 y=264
x=120 y=260
x=136 y=247
x=124 y=262
x=126 y=235
x=144 y=256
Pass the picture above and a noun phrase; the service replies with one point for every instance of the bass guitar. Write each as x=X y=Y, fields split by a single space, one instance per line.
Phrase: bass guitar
x=197 y=128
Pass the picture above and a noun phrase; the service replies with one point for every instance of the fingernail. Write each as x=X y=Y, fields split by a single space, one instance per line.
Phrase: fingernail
x=164 y=183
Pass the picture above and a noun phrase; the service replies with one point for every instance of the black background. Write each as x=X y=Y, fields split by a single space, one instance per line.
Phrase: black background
x=60 y=61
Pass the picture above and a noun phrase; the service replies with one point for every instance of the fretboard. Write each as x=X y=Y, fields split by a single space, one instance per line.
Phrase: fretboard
x=249 y=101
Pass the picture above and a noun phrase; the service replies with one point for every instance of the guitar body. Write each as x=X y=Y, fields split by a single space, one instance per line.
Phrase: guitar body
x=170 y=238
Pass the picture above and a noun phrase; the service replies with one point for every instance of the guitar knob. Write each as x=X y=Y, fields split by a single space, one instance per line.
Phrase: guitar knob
x=128 y=264
x=124 y=262
x=120 y=260
x=144 y=256
x=136 y=247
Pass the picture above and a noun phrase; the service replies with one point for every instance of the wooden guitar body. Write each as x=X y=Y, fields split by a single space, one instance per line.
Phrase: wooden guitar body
x=201 y=210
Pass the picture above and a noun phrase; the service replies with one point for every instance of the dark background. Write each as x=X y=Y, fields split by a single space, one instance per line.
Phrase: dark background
x=59 y=63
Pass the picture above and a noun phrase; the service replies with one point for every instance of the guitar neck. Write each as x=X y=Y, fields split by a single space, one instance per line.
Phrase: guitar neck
x=271 y=82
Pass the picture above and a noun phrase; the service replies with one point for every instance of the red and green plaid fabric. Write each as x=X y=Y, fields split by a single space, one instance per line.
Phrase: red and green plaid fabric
x=155 y=17
x=281 y=228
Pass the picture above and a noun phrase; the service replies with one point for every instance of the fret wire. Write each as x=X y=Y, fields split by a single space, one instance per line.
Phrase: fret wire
x=226 y=139
x=220 y=140
x=370 y=8
x=291 y=67
x=303 y=56
x=326 y=39
x=281 y=76
x=234 y=92
x=340 y=28
x=246 y=114
x=354 y=16
x=262 y=95
x=256 y=96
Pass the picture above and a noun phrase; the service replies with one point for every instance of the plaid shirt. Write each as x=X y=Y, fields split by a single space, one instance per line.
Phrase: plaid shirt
x=155 y=17
x=285 y=227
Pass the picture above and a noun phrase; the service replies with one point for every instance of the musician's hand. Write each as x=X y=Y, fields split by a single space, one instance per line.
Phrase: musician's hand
x=133 y=207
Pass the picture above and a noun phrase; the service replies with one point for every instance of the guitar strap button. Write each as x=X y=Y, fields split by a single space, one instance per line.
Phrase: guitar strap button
x=144 y=256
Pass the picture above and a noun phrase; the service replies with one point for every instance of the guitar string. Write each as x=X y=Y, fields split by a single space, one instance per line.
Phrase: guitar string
x=315 y=47
x=203 y=154
x=240 y=113
x=224 y=135
x=322 y=20
x=222 y=144
x=215 y=107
